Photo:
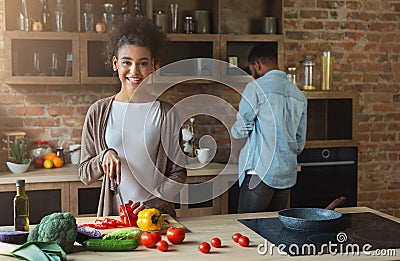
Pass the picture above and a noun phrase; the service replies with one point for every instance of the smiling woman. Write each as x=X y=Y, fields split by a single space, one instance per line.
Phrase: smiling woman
x=121 y=137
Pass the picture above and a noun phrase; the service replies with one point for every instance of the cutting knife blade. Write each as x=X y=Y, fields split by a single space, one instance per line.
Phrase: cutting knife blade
x=122 y=202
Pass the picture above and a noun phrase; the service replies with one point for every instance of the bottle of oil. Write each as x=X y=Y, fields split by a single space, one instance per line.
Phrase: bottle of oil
x=21 y=208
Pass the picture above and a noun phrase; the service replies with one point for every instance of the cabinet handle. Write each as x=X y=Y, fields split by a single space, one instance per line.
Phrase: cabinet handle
x=330 y=163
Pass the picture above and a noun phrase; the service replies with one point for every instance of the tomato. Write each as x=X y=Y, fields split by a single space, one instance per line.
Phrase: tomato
x=175 y=235
x=216 y=242
x=244 y=241
x=204 y=247
x=236 y=237
x=150 y=239
x=162 y=245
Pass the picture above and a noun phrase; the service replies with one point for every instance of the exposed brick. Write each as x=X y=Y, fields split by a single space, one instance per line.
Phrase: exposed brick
x=60 y=110
x=24 y=110
x=314 y=14
x=313 y=25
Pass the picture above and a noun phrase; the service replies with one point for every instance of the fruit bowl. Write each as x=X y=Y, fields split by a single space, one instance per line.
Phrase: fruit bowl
x=17 y=168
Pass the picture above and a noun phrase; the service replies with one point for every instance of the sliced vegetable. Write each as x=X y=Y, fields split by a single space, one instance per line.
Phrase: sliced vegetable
x=14 y=237
x=85 y=233
x=111 y=245
x=130 y=233
x=132 y=217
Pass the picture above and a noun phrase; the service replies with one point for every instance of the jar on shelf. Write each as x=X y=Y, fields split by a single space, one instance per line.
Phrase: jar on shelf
x=108 y=16
x=40 y=149
x=291 y=75
x=308 y=67
x=59 y=16
x=88 y=18
x=326 y=70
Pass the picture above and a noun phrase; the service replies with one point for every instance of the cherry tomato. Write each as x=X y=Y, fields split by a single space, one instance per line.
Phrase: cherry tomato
x=216 y=242
x=244 y=241
x=236 y=237
x=204 y=247
x=175 y=235
x=162 y=245
x=150 y=239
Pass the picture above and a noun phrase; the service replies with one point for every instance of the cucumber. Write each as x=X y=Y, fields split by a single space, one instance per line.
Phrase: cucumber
x=130 y=233
x=110 y=245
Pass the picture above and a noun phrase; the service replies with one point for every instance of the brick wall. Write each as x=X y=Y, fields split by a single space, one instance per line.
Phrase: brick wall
x=364 y=38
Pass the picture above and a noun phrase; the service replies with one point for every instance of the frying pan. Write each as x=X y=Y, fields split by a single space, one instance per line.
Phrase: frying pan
x=311 y=219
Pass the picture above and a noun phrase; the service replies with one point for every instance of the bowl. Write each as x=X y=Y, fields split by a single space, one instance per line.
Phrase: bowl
x=17 y=168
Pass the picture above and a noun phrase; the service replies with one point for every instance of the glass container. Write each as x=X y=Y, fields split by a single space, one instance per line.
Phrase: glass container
x=88 y=18
x=291 y=75
x=308 y=70
x=326 y=70
x=108 y=16
x=59 y=16
x=45 y=17
x=21 y=208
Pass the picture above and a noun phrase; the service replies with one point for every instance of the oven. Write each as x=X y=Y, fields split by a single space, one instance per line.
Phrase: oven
x=326 y=174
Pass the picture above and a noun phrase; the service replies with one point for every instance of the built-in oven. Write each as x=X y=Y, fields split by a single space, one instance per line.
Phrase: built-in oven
x=325 y=174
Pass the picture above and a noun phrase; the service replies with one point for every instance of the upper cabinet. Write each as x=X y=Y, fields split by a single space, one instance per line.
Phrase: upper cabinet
x=66 y=53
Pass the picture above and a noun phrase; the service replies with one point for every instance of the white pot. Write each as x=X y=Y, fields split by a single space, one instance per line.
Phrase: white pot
x=17 y=168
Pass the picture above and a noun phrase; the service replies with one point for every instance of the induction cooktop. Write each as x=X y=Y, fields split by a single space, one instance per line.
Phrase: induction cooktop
x=355 y=232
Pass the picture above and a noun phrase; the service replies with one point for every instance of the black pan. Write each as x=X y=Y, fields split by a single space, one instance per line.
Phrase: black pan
x=311 y=219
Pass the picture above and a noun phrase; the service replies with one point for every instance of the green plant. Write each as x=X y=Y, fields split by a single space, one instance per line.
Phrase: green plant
x=18 y=151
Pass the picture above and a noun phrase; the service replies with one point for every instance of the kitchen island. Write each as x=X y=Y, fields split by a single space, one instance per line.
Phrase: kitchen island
x=224 y=226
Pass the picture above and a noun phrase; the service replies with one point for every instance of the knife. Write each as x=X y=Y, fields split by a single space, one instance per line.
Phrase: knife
x=122 y=201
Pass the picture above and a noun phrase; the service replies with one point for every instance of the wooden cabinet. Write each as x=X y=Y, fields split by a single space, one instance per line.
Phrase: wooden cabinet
x=235 y=27
x=332 y=119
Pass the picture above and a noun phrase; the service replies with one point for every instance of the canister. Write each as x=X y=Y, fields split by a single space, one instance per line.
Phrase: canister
x=201 y=20
x=308 y=70
x=269 y=26
x=188 y=24
x=326 y=70
x=161 y=21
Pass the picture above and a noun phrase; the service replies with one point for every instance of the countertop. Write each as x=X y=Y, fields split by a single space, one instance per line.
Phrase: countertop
x=69 y=173
x=223 y=226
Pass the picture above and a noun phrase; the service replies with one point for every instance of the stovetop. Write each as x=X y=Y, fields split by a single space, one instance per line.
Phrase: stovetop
x=355 y=231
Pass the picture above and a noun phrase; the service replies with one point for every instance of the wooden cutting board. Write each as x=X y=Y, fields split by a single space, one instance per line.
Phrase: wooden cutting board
x=168 y=221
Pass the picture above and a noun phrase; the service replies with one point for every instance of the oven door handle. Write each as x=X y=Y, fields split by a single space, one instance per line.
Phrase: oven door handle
x=326 y=163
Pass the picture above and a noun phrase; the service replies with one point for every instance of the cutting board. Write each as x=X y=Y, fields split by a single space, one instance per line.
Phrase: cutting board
x=168 y=221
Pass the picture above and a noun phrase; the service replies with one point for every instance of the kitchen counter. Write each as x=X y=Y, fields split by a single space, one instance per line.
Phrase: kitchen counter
x=222 y=226
x=69 y=172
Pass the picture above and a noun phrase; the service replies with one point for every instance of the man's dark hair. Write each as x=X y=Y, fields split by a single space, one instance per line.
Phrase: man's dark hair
x=263 y=53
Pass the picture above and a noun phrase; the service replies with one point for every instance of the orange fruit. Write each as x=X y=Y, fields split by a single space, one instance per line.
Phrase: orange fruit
x=57 y=162
x=48 y=164
x=50 y=156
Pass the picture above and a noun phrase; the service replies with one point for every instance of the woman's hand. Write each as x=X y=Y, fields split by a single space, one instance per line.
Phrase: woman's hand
x=136 y=206
x=112 y=165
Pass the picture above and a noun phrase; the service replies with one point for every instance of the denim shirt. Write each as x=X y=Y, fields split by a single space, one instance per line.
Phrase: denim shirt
x=273 y=117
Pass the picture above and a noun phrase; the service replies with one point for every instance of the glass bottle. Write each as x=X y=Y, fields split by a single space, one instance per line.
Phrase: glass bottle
x=108 y=16
x=45 y=18
x=125 y=11
x=308 y=66
x=291 y=75
x=21 y=208
x=139 y=8
x=88 y=18
x=59 y=16
x=326 y=70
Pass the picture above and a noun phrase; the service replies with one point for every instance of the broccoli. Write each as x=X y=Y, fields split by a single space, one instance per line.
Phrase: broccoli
x=59 y=228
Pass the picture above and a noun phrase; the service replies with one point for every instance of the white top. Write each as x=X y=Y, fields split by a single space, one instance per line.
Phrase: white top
x=133 y=130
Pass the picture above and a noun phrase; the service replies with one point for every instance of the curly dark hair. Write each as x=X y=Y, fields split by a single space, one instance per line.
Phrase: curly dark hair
x=136 y=31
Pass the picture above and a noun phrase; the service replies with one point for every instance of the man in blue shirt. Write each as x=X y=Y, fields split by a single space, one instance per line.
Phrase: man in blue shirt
x=272 y=121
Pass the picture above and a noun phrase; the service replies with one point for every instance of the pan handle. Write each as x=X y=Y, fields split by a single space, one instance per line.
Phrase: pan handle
x=336 y=203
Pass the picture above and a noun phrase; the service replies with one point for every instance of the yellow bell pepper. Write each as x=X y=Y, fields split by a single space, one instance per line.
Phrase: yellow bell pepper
x=149 y=219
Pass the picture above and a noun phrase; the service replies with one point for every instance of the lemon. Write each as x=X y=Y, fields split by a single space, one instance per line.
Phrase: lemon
x=48 y=164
